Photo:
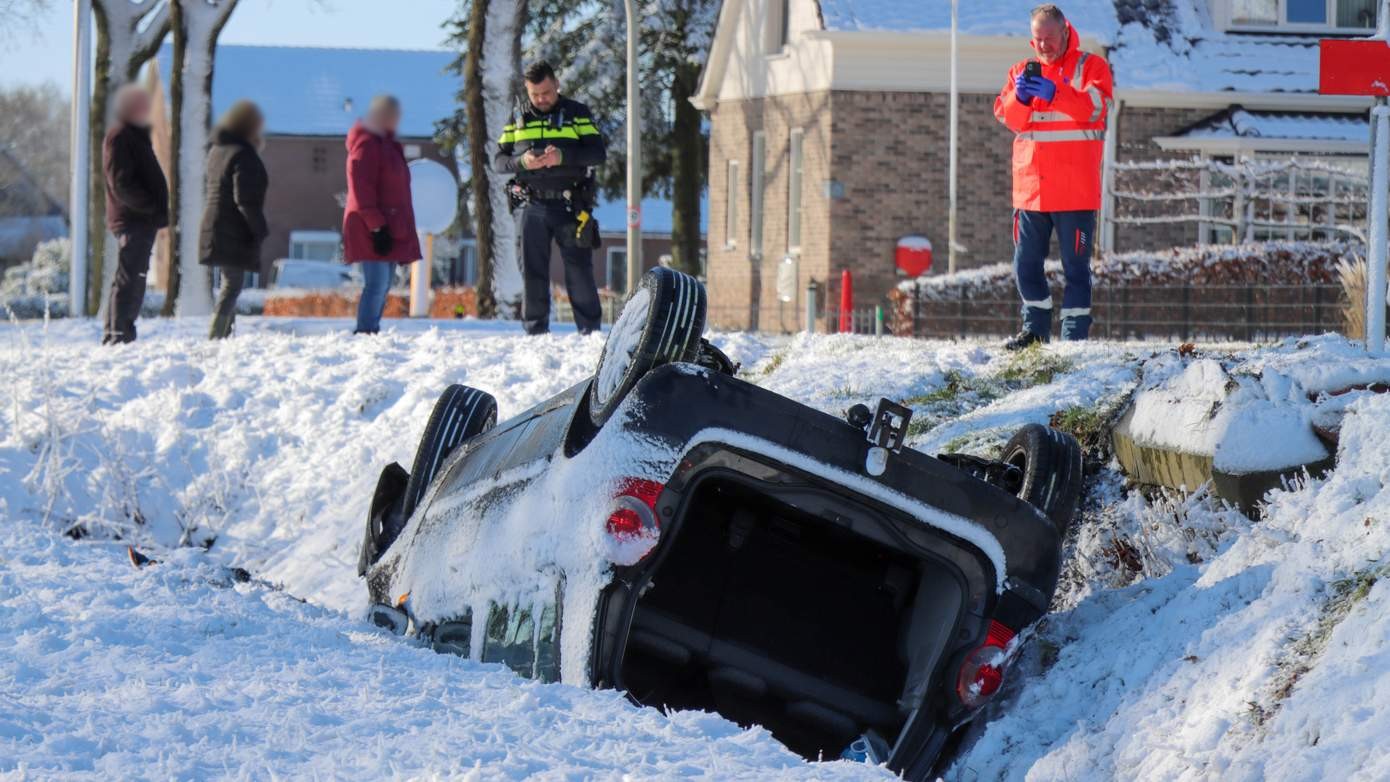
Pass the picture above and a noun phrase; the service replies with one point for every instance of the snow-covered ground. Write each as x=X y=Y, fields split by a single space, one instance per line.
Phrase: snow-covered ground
x=1188 y=642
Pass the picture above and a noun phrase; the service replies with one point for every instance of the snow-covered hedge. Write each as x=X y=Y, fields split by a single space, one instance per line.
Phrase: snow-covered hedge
x=1260 y=263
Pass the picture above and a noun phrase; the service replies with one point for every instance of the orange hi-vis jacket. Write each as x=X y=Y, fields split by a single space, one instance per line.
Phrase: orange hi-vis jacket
x=1059 y=145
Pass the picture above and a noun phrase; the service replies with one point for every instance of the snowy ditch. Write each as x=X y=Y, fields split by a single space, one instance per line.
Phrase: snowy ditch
x=1186 y=640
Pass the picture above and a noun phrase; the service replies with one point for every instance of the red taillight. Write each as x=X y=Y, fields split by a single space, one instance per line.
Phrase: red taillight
x=982 y=672
x=632 y=526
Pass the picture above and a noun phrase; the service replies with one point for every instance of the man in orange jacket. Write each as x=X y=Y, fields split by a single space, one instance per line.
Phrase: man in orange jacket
x=1057 y=107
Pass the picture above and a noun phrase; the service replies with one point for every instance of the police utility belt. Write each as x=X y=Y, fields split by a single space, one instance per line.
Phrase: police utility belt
x=579 y=201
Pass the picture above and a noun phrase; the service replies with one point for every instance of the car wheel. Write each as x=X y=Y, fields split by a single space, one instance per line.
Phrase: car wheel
x=1050 y=464
x=661 y=323
x=460 y=413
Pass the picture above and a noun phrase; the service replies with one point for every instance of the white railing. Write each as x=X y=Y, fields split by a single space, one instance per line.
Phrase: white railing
x=1248 y=200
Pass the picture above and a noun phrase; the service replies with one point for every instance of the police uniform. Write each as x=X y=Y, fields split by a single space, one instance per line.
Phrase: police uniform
x=1058 y=148
x=548 y=212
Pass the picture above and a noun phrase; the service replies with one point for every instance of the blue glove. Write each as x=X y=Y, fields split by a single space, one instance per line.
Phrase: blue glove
x=1023 y=90
x=1042 y=87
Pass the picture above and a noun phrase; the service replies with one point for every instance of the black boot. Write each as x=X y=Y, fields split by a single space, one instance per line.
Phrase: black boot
x=1023 y=340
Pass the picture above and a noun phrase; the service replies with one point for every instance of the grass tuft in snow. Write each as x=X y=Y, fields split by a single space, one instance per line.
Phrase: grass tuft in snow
x=1343 y=595
x=1033 y=366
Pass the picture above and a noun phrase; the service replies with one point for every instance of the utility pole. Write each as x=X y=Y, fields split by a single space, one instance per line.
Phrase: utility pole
x=634 y=153
x=955 y=136
x=80 y=153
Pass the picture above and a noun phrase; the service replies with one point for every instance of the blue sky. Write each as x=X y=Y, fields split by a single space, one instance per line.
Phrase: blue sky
x=45 y=53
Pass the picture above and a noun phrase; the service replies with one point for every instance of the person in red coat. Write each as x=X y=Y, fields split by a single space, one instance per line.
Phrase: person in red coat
x=379 y=221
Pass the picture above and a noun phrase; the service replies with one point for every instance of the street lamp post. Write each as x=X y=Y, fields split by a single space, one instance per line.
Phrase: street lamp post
x=80 y=152
x=634 y=152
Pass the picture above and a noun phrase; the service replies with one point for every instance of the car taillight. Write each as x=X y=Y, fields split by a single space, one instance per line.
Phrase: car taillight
x=982 y=672
x=633 y=524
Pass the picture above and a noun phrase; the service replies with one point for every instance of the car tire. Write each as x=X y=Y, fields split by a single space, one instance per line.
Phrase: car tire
x=1051 y=467
x=660 y=324
x=460 y=413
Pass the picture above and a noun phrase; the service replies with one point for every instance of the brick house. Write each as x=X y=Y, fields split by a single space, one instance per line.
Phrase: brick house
x=829 y=126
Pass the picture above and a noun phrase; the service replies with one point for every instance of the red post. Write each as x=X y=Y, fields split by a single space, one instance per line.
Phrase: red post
x=846 y=302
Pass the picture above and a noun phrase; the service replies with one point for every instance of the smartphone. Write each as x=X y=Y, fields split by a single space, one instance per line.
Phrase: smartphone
x=1033 y=68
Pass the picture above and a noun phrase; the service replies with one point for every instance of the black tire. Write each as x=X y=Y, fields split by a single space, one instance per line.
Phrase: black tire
x=460 y=413
x=1051 y=467
x=661 y=324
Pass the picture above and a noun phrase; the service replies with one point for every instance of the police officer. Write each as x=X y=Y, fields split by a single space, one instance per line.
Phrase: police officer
x=550 y=146
x=1057 y=107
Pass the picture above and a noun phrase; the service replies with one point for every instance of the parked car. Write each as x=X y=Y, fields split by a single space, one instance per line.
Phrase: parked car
x=293 y=273
x=669 y=530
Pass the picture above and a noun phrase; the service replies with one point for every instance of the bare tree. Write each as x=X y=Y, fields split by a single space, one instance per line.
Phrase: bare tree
x=128 y=34
x=19 y=15
x=34 y=131
x=196 y=25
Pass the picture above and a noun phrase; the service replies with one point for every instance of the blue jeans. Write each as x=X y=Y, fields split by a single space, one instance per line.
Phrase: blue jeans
x=1032 y=237
x=377 y=275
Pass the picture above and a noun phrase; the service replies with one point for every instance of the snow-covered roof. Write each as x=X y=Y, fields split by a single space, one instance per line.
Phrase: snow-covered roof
x=1168 y=45
x=1241 y=123
x=307 y=91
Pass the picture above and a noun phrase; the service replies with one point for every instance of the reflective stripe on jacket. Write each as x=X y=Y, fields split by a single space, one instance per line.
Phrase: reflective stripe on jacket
x=1059 y=145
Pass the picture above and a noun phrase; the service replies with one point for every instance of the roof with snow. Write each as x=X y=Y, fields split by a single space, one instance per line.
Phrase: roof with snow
x=1241 y=123
x=307 y=91
x=1155 y=44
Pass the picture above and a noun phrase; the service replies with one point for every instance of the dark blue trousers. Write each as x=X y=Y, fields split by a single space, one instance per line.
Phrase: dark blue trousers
x=538 y=224
x=1032 y=237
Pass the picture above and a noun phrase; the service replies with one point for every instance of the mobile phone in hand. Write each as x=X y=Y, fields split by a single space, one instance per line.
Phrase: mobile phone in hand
x=1032 y=69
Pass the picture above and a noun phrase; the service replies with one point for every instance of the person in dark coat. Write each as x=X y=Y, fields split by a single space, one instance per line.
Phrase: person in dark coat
x=137 y=206
x=234 y=223
x=379 y=221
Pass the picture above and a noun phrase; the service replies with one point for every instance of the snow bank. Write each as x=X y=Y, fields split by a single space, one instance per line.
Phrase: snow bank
x=1186 y=641
x=177 y=672
x=1262 y=663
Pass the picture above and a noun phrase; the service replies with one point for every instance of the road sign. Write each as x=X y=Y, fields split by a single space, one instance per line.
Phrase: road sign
x=1354 y=67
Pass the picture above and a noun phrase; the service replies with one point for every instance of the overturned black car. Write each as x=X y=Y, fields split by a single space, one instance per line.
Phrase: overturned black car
x=698 y=542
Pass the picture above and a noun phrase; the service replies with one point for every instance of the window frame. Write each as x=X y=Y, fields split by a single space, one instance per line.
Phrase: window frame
x=796 y=192
x=731 y=188
x=776 y=27
x=757 y=195
x=1282 y=23
x=610 y=257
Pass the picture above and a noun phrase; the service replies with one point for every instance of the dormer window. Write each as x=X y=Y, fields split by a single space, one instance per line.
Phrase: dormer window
x=1312 y=16
x=776 y=29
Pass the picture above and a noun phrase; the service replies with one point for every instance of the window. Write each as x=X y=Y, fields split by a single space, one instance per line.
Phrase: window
x=757 y=175
x=777 y=31
x=318 y=160
x=1305 y=14
x=526 y=638
x=731 y=207
x=794 y=178
x=465 y=268
x=617 y=269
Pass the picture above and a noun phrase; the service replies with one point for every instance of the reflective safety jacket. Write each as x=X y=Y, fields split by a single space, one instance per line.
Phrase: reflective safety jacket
x=569 y=127
x=1059 y=145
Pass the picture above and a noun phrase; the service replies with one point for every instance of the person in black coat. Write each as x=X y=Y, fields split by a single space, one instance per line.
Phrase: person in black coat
x=234 y=223
x=137 y=206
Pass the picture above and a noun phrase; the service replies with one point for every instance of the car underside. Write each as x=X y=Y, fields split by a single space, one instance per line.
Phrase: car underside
x=780 y=566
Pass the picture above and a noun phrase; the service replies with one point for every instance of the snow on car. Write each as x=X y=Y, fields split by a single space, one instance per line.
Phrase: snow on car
x=669 y=530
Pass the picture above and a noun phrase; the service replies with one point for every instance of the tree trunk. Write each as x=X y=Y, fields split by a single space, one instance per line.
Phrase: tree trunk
x=687 y=175
x=196 y=25
x=479 y=161
x=176 y=87
x=500 y=71
x=96 y=187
